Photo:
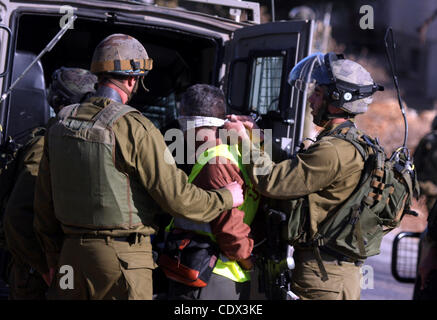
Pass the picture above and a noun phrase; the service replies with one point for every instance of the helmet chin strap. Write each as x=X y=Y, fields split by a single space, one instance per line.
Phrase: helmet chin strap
x=323 y=116
x=143 y=85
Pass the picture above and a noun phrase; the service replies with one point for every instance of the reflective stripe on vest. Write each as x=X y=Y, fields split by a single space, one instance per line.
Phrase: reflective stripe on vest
x=226 y=268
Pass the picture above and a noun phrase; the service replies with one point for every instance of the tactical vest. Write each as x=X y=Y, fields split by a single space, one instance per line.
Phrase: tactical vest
x=224 y=267
x=88 y=190
x=377 y=205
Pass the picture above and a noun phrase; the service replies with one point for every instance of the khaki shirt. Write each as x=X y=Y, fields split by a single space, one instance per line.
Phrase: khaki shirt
x=327 y=172
x=19 y=213
x=139 y=152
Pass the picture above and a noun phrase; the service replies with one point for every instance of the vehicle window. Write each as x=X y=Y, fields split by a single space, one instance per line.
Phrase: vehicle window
x=163 y=113
x=265 y=84
x=179 y=59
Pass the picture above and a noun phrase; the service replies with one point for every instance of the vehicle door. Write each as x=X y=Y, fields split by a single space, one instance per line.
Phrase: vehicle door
x=259 y=60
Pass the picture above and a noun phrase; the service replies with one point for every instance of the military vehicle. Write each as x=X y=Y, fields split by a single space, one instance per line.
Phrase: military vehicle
x=248 y=60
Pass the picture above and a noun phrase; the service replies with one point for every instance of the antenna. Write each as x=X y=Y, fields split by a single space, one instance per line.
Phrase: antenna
x=390 y=50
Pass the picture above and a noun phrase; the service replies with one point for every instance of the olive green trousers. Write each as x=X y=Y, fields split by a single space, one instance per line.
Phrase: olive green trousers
x=343 y=283
x=104 y=269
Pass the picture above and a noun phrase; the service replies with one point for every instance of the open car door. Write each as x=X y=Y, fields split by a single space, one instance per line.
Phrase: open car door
x=260 y=58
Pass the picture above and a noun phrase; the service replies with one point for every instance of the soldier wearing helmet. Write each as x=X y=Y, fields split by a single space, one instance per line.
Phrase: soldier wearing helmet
x=103 y=178
x=29 y=266
x=70 y=85
x=323 y=176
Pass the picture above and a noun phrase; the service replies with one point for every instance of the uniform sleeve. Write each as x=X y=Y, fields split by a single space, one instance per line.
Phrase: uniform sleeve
x=231 y=233
x=146 y=156
x=308 y=172
x=47 y=227
x=19 y=213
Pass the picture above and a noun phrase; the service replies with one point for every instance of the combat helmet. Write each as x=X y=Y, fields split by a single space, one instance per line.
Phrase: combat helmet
x=349 y=86
x=70 y=85
x=121 y=54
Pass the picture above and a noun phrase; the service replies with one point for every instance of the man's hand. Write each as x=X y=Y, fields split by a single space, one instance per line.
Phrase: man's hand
x=244 y=126
x=48 y=277
x=247 y=121
x=428 y=262
x=236 y=128
x=237 y=193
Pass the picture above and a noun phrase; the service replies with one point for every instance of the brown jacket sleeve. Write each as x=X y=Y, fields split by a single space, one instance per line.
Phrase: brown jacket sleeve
x=19 y=213
x=231 y=232
x=146 y=156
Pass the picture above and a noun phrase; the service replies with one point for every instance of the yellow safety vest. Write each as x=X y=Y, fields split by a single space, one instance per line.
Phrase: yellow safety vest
x=229 y=269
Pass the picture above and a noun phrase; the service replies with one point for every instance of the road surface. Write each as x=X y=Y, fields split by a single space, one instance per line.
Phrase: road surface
x=385 y=287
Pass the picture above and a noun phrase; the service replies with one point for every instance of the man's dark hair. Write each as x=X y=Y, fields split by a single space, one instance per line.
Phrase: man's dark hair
x=203 y=100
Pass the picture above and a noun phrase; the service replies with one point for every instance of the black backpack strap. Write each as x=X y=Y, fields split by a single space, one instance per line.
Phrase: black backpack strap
x=324 y=274
x=316 y=244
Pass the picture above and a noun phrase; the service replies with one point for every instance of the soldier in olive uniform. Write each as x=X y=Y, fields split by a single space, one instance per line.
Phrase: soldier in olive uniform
x=325 y=175
x=104 y=174
x=28 y=265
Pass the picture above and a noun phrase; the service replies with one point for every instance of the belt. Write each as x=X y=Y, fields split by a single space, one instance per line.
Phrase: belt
x=340 y=257
x=131 y=238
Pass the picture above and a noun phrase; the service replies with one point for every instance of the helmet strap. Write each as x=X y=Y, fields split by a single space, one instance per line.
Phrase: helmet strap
x=143 y=85
x=321 y=117
x=135 y=88
x=343 y=115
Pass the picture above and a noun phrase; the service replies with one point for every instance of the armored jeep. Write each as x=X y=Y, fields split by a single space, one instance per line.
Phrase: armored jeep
x=248 y=60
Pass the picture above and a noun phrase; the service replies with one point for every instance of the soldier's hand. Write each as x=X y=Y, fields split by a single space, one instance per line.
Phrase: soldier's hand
x=245 y=126
x=247 y=121
x=236 y=131
x=237 y=193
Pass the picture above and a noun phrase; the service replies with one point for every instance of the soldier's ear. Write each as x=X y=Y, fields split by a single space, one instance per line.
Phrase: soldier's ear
x=131 y=81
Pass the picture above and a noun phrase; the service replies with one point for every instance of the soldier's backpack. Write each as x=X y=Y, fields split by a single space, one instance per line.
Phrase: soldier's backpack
x=381 y=199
